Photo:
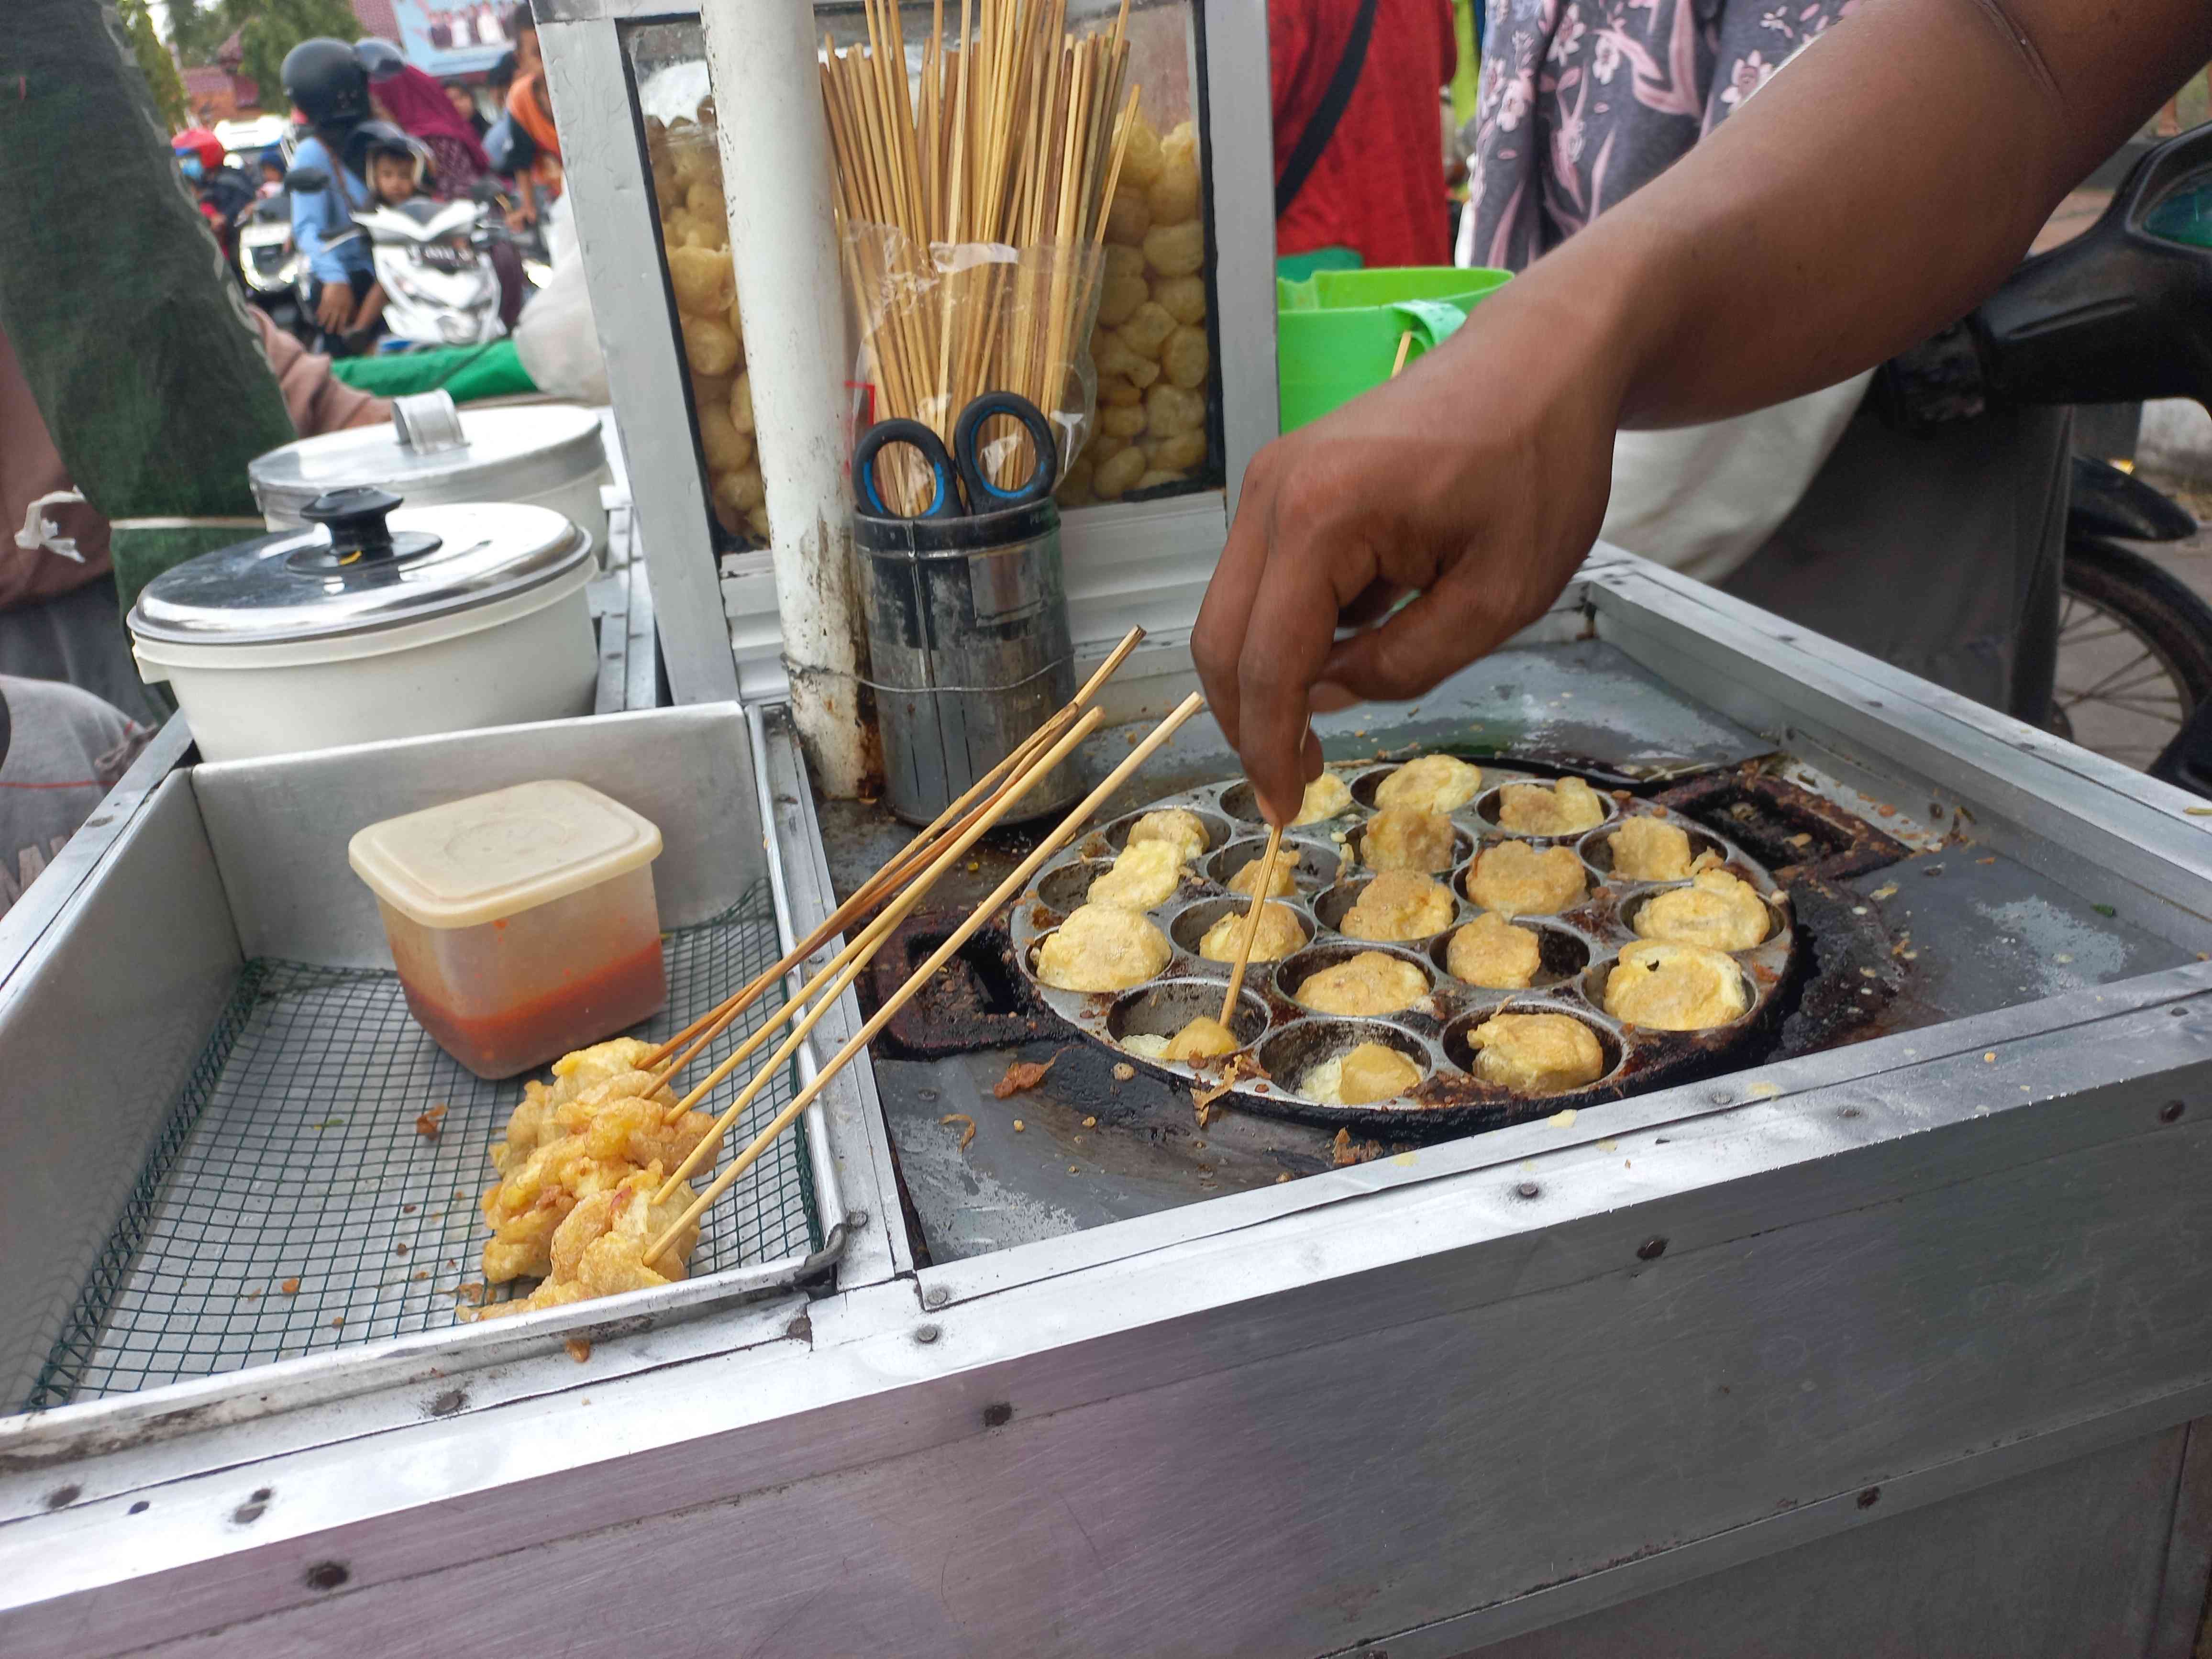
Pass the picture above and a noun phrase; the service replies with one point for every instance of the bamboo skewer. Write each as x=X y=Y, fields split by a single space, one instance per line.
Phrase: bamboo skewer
x=901 y=867
x=859 y=952
x=1067 y=829
x=1252 y=922
x=1404 y=345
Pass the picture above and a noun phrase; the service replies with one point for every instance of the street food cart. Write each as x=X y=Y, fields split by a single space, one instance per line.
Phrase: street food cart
x=1885 y=1326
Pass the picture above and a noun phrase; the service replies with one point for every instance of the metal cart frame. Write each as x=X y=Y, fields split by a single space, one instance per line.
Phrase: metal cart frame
x=1866 y=1334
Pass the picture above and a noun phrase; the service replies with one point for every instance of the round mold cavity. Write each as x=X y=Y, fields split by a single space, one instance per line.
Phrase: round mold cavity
x=1218 y=829
x=1596 y=845
x=1165 y=1006
x=1632 y=906
x=1064 y=888
x=1460 y=1051
x=1241 y=802
x=1313 y=865
x=1331 y=907
x=1294 y=1049
x=1190 y=923
x=1593 y=983
x=1562 y=955
x=1355 y=845
x=1486 y=804
x=1364 y=786
x=1294 y=970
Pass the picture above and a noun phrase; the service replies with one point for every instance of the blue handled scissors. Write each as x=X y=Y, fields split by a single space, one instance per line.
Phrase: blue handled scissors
x=959 y=486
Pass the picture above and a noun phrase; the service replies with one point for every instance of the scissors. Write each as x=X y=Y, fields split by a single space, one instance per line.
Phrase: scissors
x=960 y=487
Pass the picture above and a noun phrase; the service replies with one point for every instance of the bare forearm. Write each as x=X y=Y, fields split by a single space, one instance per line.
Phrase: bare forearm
x=1876 y=190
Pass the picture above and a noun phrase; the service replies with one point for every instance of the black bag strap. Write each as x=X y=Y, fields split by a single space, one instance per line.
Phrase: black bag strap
x=1322 y=127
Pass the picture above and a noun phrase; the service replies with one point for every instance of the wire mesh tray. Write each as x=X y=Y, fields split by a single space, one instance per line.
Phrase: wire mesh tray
x=292 y=1205
x=1580 y=944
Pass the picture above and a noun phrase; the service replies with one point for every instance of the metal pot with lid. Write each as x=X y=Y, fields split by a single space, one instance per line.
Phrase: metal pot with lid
x=547 y=455
x=377 y=622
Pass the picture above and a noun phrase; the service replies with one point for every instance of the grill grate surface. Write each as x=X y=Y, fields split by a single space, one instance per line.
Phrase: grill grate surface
x=292 y=1159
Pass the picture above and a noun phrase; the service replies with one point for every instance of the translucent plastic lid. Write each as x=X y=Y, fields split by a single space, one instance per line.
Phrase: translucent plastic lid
x=491 y=856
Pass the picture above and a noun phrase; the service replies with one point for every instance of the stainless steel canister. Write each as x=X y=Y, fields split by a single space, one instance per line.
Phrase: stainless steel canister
x=968 y=638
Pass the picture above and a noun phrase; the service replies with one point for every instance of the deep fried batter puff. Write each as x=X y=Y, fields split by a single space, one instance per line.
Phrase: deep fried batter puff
x=1103 y=947
x=1536 y=1053
x=1716 y=911
x=1675 y=988
x=1515 y=880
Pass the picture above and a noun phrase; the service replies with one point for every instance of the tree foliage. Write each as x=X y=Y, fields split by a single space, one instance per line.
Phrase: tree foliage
x=266 y=30
x=161 y=69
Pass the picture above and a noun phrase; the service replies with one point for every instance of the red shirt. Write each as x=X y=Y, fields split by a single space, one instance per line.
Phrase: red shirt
x=1378 y=186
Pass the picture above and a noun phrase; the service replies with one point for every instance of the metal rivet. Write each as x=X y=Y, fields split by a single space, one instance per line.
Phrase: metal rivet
x=2171 y=1112
x=62 y=1497
x=246 y=1513
x=1720 y=1096
x=140 y=1507
x=1849 y=1111
x=449 y=1402
x=1870 y=1497
x=2177 y=1013
x=327 y=1575
x=936 y=1297
x=925 y=1333
x=998 y=1414
x=1528 y=1189
x=1651 y=1249
x=856 y=1220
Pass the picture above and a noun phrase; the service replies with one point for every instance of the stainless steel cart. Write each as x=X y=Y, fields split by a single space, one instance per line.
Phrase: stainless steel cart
x=1897 y=1346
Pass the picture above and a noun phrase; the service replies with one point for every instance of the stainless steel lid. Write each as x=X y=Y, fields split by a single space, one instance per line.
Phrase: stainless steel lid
x=468 y=455
x=362 y=567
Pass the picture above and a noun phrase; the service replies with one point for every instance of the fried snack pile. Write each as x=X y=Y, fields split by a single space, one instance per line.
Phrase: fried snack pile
x=694 y=234
x=592 y=1132
x=1150 y=346
x=599 y=1248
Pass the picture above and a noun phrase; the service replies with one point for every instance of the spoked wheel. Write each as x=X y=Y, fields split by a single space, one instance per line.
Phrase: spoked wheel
x=2135 y=654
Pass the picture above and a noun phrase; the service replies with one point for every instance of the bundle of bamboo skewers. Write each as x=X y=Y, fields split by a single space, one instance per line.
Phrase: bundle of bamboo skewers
x=972 y=209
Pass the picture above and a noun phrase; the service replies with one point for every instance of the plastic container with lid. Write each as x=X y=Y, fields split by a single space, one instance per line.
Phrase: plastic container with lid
x=381 y=623
x=549 y=455
x=522 y=921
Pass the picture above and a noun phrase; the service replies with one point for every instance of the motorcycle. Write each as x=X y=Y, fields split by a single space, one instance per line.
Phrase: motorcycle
x=439 y=266
x=268 y=263
x=2121 y=313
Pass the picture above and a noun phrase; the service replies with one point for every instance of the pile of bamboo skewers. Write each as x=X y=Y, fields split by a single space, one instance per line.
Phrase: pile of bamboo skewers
x=972 y=209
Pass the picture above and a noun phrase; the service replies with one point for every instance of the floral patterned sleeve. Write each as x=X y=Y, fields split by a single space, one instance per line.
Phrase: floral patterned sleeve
x=1581 y=102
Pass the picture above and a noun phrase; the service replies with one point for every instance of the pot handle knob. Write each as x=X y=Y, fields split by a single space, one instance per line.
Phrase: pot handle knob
x=355 y=519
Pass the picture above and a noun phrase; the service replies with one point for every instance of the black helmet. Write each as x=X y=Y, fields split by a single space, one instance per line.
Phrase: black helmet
x=325 y=79
x=379 y=57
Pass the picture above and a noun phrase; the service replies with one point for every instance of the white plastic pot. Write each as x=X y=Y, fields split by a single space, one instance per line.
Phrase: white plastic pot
x=497 y=631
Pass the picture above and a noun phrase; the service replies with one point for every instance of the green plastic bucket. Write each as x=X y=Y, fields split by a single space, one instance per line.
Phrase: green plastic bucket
x=1337 y=332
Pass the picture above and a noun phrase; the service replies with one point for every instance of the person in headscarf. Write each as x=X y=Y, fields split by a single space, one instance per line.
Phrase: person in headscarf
x=419 y=107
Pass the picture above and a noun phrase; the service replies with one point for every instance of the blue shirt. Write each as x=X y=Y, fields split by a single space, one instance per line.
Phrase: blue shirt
x=318 y=215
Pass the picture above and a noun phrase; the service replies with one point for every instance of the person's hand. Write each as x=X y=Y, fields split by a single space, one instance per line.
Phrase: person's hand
x=1477 y=479
x=334 y=310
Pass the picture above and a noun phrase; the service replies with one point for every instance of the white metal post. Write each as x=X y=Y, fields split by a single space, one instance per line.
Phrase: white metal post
x=776 y=183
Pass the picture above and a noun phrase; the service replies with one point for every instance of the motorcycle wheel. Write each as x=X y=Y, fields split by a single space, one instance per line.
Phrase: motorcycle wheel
x=2135 y=654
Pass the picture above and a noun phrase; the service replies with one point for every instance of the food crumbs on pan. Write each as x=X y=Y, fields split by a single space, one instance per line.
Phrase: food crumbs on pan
x=471 y=1292
x=2062 y=957
x=2198 y=811
x=399 y=1249
x=422 y=1272
x=578 y=1348
x=1071 y=1169
x=1089 y=1122
x=1562 y=1120
x=968 y=1134
x=1888 y=890
x=1019 y=1126
x=289 y=1287
x=1122 y=1073
x=1990 y=1058
x=1405 y=1158
x=408 y=1209
x=1282 y=1178
x=428 y=1124
x=337 y=1321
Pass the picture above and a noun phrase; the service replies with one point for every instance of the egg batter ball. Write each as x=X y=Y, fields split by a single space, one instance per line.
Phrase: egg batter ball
x=1146 y=873
x=1492 y=952
x=1516 y=879
x=1435 y=783
x=1400 y=904
x=1408 y=838
x=1177 y=825
x=1561 y=809
x=1675 y=988
x=1536 y=1053
x=1151 y=1045
x=1202 y=1039
x=1103 y=947
x=1649 y=849
x=1716 y=911
x=1281 y=885
x=1280 y=934
x=1370 y=983
x=1324 y=796
x=1372 y=1072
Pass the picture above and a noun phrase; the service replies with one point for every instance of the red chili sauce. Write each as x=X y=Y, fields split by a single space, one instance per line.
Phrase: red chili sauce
x=580 y=1012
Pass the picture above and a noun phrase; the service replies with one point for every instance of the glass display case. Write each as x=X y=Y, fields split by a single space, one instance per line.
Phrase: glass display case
x=1177 y=401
